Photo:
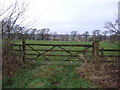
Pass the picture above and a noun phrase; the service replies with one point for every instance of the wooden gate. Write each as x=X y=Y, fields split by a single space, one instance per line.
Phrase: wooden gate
x=66 y=51
x=61 y=49
x=69 y=51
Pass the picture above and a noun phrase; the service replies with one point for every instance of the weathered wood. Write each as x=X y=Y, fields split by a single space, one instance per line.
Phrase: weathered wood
x=83 y=51
x=65 y=50
x=16 y=44
x=95 y=50
x=23 y=49
x=113 y=50
x=41 y=54
x=109 y=56
x=18 y=50
x=72 y=45
x=57 y=50
x=54 y=55
x=33 y=49
x=58 y=60
x=49 y=49
x=102 y=53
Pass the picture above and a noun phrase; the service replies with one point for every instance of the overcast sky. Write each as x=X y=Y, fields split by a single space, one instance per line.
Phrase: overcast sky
x=64 y=16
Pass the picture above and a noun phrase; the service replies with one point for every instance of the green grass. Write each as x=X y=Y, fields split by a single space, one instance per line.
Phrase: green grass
x=35 y=75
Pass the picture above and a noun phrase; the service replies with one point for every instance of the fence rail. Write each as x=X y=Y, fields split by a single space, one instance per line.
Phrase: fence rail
x=109 y=55
x=55 y=55
x=53 y=50
x=113 y=50
x=108 y=50
x=72 y=45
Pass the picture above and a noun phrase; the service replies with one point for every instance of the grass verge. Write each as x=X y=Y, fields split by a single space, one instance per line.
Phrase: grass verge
x=46 y=76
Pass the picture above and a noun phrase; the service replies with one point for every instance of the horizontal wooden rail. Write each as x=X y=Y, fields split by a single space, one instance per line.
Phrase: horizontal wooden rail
x=109 y=55
x=16 y=44
x=70 y=51
x=116 y=50
x=54 y=55
x=77 y=45
x=55 y=50
x=59 y=60
x=17 y=50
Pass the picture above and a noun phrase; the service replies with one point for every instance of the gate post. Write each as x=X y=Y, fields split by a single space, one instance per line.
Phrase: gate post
x=23 y=49
x=95 y=50
x=102 y=53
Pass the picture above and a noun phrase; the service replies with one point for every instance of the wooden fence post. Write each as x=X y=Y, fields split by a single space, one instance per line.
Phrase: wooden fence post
x=95 y=50
x=102 y=53
x=23 y=49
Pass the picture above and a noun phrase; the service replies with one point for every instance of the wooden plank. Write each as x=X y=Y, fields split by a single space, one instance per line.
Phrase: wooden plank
x=24 y=50
x=110 y=56
x=59 y=60
x=116 y=50
x=77 y=45
x=48 y=50
x=54 y=55
x=65 y=50
x=95 y=50
x=18 y=50
x=102 y=53
x=83 y=51
x=58 y=50
x=16 y=44
x=33 y=49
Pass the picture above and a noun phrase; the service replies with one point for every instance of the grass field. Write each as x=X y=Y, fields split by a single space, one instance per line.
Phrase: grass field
x=49 y=75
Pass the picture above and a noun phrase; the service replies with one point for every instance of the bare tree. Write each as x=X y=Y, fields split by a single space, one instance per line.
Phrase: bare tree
x=86 y=34
x=54 y=35
x=12 y=30
x=96 y=34
x=105 y=35
x=113 y=30
x=73 y=34
x=46 y=34
x=113 y=27
x=65 y=37
x=11 y=20
x=26 y=34
x=32 y=33
x=43 y=33
x=79 y=37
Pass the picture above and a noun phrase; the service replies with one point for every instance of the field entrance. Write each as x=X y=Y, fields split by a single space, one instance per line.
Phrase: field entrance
x=54 y=52
x=57 y=52
x=69 y=51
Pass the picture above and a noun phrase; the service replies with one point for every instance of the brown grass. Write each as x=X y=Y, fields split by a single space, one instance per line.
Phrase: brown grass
x=10 y=63
x=100 y=72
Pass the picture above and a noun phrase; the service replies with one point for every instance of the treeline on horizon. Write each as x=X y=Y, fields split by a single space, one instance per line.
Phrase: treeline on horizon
x=44 y=34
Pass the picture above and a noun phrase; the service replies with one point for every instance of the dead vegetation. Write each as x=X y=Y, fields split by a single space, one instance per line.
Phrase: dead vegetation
x=102 y=73
x=10 y=63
